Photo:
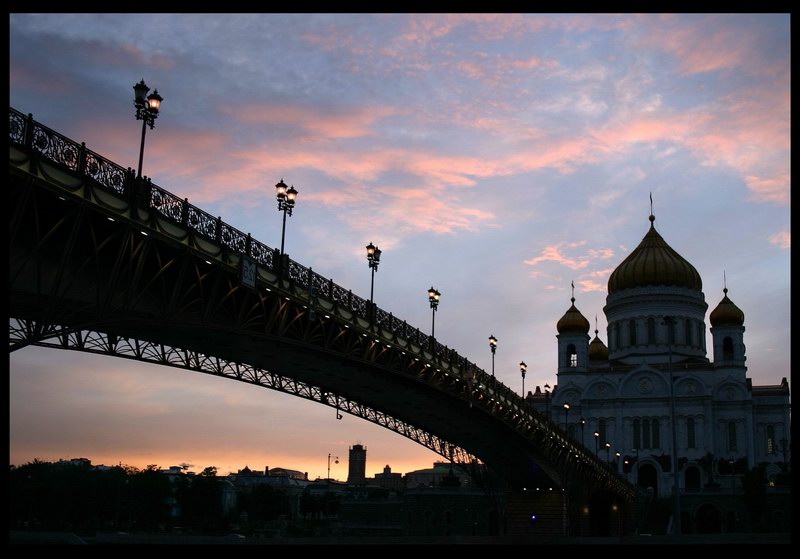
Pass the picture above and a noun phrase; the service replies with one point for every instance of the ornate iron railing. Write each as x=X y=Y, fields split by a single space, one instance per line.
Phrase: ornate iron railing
x=60 y=150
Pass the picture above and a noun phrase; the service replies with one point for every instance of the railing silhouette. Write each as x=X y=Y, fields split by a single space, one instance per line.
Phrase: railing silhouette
x=144 y=194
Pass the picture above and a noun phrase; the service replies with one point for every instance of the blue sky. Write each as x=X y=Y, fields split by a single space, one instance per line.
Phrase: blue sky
x=495 y=157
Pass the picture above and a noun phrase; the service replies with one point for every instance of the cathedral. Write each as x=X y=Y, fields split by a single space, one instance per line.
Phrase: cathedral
x=652 y=396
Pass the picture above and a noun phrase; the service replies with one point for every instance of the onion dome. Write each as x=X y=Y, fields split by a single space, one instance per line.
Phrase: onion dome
x=726 y=313
x=597 y=349
x=654 y=262
x=573 y=321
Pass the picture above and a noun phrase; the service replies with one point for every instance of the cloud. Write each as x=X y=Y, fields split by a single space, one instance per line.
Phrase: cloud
x=327 y=122
x=556 y=253
x=782 y=239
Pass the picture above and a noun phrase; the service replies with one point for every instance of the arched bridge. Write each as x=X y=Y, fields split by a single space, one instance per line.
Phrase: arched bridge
x=103 y=262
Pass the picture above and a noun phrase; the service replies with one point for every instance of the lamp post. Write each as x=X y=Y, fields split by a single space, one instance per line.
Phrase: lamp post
x=566 y=416
x=582 y=423
x=147 y=111
x=676 y=504
x=493 y=347
x=547 y=401
x=373 y=259
x=335 y=461
x=433 y=298
x=522 y=368
x=608 y=451
x=596 y=443
x=286 y=199
x=617 y=454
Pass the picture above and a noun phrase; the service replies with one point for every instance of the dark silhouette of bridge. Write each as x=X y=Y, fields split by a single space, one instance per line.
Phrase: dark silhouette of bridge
x=104 y=262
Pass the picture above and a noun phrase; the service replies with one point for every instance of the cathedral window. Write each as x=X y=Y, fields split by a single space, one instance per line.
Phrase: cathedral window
x=572 y=356
x=732 y=436
x=617 y=335
x=637 y=431
x=688 y=327
x=770 y=439
x=651 y=331
x=690 y=438
x=656 y=441
x=727 y=349
x=646 y=433
x=632 y=331
x=601 y=428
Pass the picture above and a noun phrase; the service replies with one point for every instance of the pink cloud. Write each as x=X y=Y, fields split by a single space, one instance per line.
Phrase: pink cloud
x=350 y=123
x=782 y=239
x=557 y=253
x=591 y=285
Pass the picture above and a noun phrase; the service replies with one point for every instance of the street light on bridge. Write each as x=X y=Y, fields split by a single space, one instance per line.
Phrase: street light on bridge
x=566 y=415
x=147 y=107
x=493 y=347
x=373 y=259
x=547 y=401
x=596 y=443
x=522 y=368
x=608 y=451
x=433 y=298
x=286 y=199
x=582 y=422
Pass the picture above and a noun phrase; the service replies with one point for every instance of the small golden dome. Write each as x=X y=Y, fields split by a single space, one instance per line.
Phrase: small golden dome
x=573 y=321
x=597 y=349
x=726 y=313
x=654 y=262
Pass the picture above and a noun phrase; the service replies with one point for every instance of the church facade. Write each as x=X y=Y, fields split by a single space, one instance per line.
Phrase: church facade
x=618 y=399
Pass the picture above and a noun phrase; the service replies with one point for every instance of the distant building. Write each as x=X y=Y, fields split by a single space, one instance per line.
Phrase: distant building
x=391 y=481
x=357 y=466
x=432 y=477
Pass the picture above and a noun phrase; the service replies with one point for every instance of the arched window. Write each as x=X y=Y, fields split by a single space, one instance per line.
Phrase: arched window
x=617 y=335
x=690 y=440
x=632 y=331
x=601 y=428
x=770 y=439
x=688 y=327
x=637 y=439
x=671 y=332
x=646 y=433
x=727 y=349
x=731 y=436
x=572 y=356
x=656 y=438
x=651 y=331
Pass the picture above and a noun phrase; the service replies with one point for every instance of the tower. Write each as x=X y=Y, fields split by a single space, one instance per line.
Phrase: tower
x=727 y=329
x=573 y=339
x=357 y=467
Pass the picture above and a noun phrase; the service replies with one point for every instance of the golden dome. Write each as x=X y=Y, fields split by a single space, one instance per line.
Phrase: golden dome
x=654 y=262
x=726 y=313
x=573 y=321
x=597 y=349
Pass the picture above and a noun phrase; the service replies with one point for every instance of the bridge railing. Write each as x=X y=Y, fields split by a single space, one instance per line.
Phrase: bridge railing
x=59 y=149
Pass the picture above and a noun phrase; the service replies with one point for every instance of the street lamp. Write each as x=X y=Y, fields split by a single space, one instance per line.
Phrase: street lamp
x=433 y=298
x=596 y=443
x=582 y=423
x=335 y=461
x=373 y=259
x=566 y=415
x=286 y=199
x=522 y=368
x=147 y=107
x=676 y=504
x=547 y=401
x=617 y=454
x=493 y=347
x=608 y=450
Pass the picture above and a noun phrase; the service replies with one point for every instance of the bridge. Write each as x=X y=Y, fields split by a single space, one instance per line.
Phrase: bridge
x=103 y=261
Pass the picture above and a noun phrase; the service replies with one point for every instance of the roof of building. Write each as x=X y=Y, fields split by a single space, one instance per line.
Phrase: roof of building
x=726 y=313
x=572 y=321
x=654 y=262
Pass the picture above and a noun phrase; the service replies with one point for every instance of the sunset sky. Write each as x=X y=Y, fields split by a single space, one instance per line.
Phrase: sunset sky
x=494 y=157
